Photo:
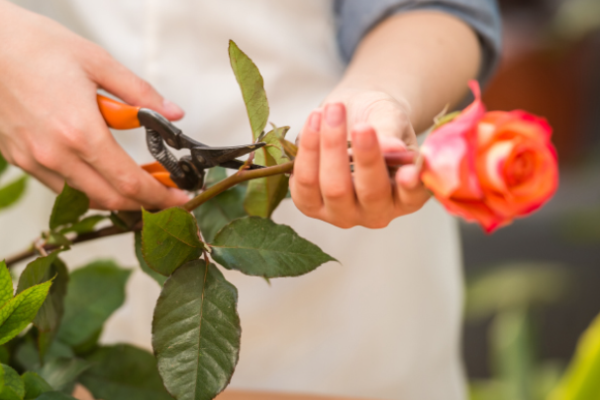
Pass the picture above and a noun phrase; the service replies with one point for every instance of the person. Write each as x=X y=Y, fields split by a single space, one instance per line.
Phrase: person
x=385 y=321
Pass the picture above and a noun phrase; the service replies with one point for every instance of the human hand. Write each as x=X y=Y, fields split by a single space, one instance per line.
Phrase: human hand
x=322 y=184
x=50 y=125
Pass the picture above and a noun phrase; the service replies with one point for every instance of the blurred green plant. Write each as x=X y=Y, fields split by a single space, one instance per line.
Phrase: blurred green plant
x=508 y=294
x=11 y=192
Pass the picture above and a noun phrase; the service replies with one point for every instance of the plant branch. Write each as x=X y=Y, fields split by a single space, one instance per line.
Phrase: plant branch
x=238 y=177
x=84 y=237
x=213 y=191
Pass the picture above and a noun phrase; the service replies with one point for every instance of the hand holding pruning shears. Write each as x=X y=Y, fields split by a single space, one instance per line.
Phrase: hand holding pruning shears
x=50 y=124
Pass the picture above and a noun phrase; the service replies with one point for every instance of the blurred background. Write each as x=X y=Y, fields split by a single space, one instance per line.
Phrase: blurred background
x=534 y=287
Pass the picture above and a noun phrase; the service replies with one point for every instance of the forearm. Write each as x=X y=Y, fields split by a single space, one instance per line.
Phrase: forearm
x=423 y=59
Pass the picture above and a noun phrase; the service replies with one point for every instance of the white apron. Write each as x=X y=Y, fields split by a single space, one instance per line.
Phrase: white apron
x=384 y=322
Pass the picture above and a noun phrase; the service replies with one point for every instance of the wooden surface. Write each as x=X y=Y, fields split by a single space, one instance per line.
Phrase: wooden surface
x=234 y=395
x=82 y=393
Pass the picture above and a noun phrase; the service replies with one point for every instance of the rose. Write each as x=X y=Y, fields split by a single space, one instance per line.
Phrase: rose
x=491 y=167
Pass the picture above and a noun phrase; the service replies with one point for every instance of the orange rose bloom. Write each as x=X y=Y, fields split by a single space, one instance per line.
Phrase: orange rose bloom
x=491 y=167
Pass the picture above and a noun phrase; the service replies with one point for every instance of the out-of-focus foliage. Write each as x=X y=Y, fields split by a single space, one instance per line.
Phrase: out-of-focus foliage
x=508 y=294
x=515 y=286
x=582 y=380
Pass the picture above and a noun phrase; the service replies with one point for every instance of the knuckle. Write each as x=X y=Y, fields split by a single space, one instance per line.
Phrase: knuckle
x=142 y=87
x=306 y=180
x=72 y=137
x=377 y=223
x=44 y=156
x=335 y=192
x=129 y=186
x=112 y=203
x=343 y=224
x=23 y=161
x=309 y=211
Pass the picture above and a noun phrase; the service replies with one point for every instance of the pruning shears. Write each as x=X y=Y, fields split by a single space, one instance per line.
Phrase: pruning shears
x=186 y=172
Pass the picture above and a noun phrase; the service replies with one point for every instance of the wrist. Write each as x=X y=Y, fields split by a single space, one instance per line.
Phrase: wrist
x=367 y=93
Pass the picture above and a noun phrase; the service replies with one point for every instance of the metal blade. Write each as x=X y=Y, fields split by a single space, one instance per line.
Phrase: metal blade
x=212 y=156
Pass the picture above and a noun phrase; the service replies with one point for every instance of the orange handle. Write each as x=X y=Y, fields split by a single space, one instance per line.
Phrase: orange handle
x=118 y=115
x=159 y=173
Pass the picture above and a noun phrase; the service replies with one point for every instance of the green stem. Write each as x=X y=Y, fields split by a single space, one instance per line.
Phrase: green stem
x=239 y=177
x=216 y=189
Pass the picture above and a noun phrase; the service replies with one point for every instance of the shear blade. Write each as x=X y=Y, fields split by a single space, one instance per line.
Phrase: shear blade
x=213 y=156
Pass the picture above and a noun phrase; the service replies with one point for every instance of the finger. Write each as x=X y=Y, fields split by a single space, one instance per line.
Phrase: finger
x=115 y=166
x=411 y=193
x=304 y=183
x=81 y=176
x=120 y=81
x=50 y=179
x=371 y=176
x=334 y=167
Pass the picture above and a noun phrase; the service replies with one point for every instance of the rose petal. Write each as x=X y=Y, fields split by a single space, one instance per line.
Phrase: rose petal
x=449 y=153
x=476 y=211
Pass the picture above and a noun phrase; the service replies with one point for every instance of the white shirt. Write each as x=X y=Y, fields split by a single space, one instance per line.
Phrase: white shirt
x=384 y=322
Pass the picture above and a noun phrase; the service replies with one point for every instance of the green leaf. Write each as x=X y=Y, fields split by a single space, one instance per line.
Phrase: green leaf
x=89 y=345
x=56 y=239
x=512 y=353
x=289 y=148
x=61 y=373
x=13 y=384
x=260 y=247
x=28 y=358
x=214 y=175
x=42 y=270
x=581 y=382
x=253 y=91
x=20 y=311
x=35 y=385
x=265 y=194
x=50 y=314
x=170 y=239
x=2 y=378
x=55 y=396
x=4 y=355
x=3 y=164
x=69 y=206
x=515 y=285
x=12 y=192
x=6 y=286
x=86 y=225
x=94 y=293
x=196 y=332
x=138 y=253
x=124 y=372
x=220 y=210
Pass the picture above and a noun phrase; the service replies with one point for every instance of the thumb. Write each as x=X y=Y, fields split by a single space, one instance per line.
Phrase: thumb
x=116 y=79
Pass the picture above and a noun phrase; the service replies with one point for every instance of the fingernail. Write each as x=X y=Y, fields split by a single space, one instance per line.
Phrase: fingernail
x=181 y=196
x=363 y=136
x=335 y=114
x=172 y=108
x=314 y=121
